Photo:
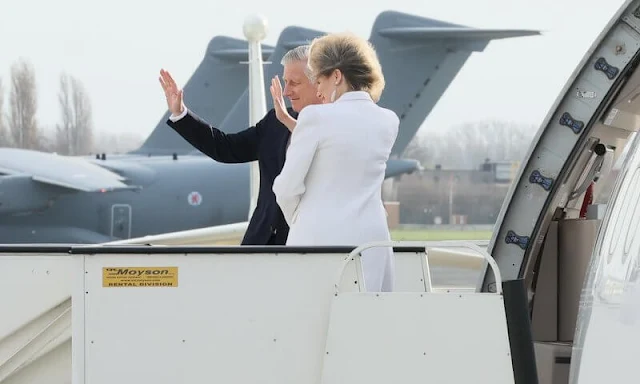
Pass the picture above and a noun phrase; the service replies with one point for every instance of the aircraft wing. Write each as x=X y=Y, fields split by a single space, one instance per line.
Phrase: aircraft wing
x=69 y=172
x=229 y=234
x=421 y=33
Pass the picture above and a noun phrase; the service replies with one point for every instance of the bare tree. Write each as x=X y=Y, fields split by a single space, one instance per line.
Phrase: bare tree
x=466 y=146
x=75 y=132
x=118 y=142
x=420 y=149
x=496 y=140
x=64 y=130
x=48 y=139
x=23 y=105
x=4 y=135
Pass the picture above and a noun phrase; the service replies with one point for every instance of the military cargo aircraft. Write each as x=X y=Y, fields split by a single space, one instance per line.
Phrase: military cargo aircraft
x=166 y=186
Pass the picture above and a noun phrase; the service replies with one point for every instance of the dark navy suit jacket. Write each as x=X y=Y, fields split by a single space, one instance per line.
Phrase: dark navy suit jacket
x=266 y=142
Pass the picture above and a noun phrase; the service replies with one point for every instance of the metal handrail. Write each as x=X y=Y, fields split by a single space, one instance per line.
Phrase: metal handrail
x=453 y=243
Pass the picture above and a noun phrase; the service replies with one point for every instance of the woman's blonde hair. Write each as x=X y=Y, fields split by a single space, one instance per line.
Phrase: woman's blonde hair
x=353 y=56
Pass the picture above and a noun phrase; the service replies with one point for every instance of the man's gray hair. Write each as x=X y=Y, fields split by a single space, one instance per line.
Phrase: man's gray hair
x=299 y=53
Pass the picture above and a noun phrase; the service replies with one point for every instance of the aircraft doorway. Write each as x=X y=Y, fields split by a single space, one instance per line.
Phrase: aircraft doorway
x=121 y=221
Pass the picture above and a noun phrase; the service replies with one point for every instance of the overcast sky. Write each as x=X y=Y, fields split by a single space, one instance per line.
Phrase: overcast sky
x=117 y=47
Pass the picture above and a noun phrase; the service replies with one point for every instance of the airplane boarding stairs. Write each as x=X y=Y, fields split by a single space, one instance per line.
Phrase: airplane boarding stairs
x=239 y=307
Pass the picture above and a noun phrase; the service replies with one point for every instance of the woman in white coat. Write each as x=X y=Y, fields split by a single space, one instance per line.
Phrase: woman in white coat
x=330 y=188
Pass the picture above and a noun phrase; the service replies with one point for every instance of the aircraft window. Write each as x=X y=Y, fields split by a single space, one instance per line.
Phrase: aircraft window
x=628 y=197
x=617 y=202
x=608 y=181
x=607 y=278
x=622 y=200
x=624 y=208
x=635 y=216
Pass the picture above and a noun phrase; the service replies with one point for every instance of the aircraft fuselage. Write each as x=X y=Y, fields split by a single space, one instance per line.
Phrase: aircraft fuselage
x=190 y=192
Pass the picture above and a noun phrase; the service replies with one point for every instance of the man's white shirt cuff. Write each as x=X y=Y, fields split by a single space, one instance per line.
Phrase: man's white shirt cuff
x=175 y=118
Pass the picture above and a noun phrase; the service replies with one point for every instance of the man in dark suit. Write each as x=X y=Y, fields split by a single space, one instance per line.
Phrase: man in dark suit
x=265 y=142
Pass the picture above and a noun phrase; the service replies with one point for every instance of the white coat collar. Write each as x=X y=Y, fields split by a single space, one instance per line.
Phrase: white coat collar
x=354 y=95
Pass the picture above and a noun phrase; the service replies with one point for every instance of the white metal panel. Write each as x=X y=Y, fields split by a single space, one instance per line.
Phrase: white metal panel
x=35 y=321
x=610 y=350
x=53 y=367
x=417 y=338
x=409 y=272
x=31 y=285
x=35 y=340
x=32 y=320
x=78 y=304
x=234 y=318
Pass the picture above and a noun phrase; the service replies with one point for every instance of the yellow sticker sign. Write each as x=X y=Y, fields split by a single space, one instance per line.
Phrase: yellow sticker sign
x=140 y=277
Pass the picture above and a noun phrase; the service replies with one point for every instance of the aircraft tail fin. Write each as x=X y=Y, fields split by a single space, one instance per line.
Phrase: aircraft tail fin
x=211 y=91
x=290 y=37
x=420 y=57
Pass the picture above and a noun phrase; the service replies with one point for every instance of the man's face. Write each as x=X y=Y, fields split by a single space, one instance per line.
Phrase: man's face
x=297 y=86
